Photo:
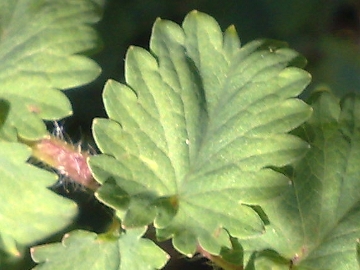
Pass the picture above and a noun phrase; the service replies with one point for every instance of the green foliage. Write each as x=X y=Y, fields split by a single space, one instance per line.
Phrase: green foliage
x=206 y=141
x=81 y=249
x=28 y=211
x=316 y=222
x=192 y=133
x=39 y=54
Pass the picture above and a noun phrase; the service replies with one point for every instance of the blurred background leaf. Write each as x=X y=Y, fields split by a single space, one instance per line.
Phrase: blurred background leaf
x=41 y=43
x=29 y=212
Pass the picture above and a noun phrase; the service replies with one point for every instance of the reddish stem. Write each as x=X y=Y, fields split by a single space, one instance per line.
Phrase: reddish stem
x=67 y=159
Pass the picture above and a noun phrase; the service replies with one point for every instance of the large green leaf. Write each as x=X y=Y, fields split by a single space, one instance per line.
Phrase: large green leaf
x=86 y=250
x=40 y=46
x=29 y=211
x=193 y=132
x=316 y=223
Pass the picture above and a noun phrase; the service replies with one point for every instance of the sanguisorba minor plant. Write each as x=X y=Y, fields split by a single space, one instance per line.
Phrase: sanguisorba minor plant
x=206 y=141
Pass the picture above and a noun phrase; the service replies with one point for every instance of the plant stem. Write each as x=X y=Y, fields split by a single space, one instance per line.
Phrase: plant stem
x=66 y=158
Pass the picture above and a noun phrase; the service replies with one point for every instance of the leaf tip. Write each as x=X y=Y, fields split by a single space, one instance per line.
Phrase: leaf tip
x=231 y=29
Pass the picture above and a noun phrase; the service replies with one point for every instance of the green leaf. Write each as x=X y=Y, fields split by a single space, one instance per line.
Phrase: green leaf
x=29 y=211
x=192 y=133
x=315 y=223
x=40 y=47
x=267 y=259
x=86 y=250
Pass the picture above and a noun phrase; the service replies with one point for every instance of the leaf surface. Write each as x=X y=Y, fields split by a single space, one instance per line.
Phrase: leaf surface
x=86 y=250
x=40 y=47
x=192 y=132
x=29 y=211
x=315 y=224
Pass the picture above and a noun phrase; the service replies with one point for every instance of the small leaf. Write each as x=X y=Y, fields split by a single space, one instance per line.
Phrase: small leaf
x=315 y=223
x=40 y=46
x=86 y=250
x=29 y=211
x=267 y=259
x=193 y=132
